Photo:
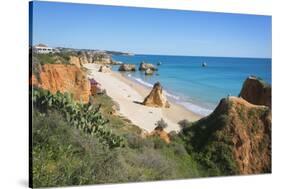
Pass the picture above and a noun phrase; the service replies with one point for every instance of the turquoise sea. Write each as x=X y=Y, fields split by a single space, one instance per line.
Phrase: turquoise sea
x=198 y=88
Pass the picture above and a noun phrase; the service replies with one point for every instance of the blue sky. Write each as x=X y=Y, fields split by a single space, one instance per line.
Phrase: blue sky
x=151 y=31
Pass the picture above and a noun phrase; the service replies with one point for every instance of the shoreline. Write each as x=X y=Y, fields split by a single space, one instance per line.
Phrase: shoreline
x=128 y=93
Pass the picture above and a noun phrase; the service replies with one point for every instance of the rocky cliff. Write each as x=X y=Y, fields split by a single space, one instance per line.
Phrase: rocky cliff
x=234 y=139
x=75 y=61
x=156 y=97
x=63 y=78
x=88 y=57
x=256 y=91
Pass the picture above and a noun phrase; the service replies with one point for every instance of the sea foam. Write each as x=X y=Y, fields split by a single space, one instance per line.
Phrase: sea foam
x=177 y=99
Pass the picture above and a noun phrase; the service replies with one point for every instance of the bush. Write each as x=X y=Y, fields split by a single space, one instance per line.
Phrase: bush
x=161 y=124
x=179 y=149
x=184 y=123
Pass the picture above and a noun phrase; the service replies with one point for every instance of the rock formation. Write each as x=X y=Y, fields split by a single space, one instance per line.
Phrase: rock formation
x=88 y=57
x=63 y=78
x=149 y=72
x=162 y=134
x=74 y=60
x=236 y=137
x=127 y=67
x=145 y=66
x=104 y=69
x=156 y=98
x=256 y=91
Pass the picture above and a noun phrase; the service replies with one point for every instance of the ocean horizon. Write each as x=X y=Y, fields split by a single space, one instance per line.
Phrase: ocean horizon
x=199 y=89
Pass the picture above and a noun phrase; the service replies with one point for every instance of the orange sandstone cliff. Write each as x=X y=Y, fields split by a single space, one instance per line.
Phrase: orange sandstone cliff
x=236 y=137
x=63 y=78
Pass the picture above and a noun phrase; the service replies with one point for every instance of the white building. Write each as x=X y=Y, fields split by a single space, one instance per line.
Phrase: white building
x=44 y=49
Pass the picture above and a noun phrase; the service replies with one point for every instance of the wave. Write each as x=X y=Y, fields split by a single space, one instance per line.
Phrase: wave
x=177 y=99
x=139 y=80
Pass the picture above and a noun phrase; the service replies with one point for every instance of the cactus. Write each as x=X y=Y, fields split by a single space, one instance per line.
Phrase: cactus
x=84 y=117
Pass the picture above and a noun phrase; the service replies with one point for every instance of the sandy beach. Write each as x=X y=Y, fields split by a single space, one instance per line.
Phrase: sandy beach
x=128 y=93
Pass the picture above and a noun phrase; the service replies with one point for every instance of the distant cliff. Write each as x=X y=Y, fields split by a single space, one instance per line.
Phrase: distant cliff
x=88 y=57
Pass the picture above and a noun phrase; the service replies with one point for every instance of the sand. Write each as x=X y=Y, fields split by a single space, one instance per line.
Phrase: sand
x=128 y=94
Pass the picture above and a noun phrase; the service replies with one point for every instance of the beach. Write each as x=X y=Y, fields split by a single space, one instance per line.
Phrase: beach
x=129 y=95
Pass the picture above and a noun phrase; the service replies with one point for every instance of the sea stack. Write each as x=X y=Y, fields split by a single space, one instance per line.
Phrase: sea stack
x=156 y=97
x=256 y=91
x=146 y=66
x=127 y=67
x=149 y=72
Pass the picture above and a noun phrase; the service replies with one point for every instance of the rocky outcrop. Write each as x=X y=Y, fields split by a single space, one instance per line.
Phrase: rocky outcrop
x=63 y=78
x=74 y=60
x=105 y=69
x=236 y=137
x=161 y=133
x=88 y=57
x=127 y=67
x=156 y=97
x=146 y=66
x=256 y=91
x=149 y=72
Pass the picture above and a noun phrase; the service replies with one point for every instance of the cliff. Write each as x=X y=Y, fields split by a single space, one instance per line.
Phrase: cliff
x=256 y=91
x=63 y=78
x=88 y=57
x=234 y=139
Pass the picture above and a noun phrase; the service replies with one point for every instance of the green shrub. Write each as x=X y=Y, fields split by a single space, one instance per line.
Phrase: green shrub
x=161 y=124
x=184 y=123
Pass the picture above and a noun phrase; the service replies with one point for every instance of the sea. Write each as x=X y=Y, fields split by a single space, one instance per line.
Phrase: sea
x=197 y=88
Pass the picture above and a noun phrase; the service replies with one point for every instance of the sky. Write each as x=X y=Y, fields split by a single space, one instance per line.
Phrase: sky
x=151 y=31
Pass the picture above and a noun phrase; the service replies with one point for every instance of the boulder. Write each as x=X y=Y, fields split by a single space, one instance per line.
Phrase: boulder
x=156 y=97
x=145 y=66
x=256 y=91
x=149 y=72
x=127 y=67
x=104 y=69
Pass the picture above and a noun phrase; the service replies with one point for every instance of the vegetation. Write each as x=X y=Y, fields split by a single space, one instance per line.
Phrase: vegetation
x=66 y=154
x=209 y=145
x=161 y=124
x=52 y=58
x=85 y=117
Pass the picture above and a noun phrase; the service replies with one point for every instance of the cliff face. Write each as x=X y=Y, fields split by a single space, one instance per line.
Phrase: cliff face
x=75 y=61
x=89 y=57
x=63 y=78
x=236 y=137
x=156 y=97
x=256 y=91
